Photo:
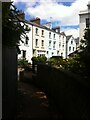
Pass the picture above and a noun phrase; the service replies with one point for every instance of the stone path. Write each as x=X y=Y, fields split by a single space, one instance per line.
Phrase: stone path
x=33 y=104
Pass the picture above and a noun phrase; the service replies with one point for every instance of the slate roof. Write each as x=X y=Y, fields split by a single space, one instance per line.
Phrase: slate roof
x=68 y=37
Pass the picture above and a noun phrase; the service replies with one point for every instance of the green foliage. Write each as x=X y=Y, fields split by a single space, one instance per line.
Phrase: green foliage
x=57 y=61
x=80 y=63
x=39 y=59
x=11 y=25
x=22 y=62
x=85 y=54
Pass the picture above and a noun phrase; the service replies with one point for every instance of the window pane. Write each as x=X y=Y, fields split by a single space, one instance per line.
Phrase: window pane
x=24 y=54
x=69 y=48
x=36 y=43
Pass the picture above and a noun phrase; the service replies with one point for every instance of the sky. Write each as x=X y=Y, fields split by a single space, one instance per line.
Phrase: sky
x=63 y=13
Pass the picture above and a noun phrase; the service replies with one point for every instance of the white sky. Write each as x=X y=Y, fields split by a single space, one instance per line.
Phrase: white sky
x=67 y=15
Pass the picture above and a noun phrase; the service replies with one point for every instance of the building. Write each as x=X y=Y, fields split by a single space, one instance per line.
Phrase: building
x=77 y=42
x=26 y=45
x=52 y=42
x=70 y=45
x=84 y=21
x=62 y=45
x=44 y=41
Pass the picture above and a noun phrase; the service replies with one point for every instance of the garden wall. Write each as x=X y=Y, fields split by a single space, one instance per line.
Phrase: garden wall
x=69 y=92
x=9 y=82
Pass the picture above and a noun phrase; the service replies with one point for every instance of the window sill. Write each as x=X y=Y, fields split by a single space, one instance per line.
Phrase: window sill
x=36 y=47
x=36 y=34
x=42 y=36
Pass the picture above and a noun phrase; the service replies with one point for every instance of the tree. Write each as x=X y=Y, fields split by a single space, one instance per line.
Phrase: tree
x=12 y=30
x=80 y=63
x=85 y=54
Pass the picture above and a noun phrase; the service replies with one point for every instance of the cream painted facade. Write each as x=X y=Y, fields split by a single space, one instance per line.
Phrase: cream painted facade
x=70 y=45
x=62 y=45
x=26 y=47
x=83 y=15
x=38 y=41
x=52 y=43
x=43 y=41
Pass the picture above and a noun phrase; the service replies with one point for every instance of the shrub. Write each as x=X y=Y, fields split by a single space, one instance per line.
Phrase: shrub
x=56 y=61
x=22 y=62
x=39 y=59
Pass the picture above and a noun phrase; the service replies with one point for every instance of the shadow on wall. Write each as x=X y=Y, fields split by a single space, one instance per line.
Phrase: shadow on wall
x=9 y=82
x=69 y=92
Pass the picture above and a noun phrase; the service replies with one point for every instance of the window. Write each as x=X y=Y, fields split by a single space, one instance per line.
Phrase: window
x=42 y=43
x=61 y=54
x=36 y=42
x=24 y=54
x=62 y=45
x=37 y=31
x=49 y=34
x=42 y=32
x=54 y=36
x=26 y=41
x=57 y=52
x=73 y=48
x=59 y=44
x=33 y=51
x=87 y=22
x=69 y=48
x=54 y=44
x=71 y=42
x=49 y=43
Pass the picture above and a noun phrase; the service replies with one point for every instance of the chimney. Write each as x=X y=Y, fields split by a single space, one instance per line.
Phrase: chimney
x=57 y=29
x=37 y=21
x=21 y=15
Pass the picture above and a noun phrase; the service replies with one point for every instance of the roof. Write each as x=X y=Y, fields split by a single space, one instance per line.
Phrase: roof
x=63 y=33
x=68 y=37
x=35 y=24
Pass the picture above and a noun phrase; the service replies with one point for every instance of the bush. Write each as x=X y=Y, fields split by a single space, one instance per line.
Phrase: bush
x=57 y=61
x=22 y=62
x=39 y=59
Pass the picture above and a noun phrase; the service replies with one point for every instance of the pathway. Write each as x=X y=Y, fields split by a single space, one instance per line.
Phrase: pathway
x=33 y=103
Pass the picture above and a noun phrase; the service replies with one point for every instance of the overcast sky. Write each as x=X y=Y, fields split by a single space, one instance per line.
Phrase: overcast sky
x=63 y=13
